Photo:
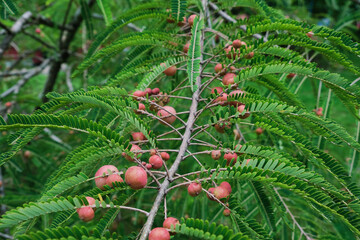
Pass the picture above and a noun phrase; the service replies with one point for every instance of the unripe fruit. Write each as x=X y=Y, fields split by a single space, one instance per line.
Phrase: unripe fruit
x=291 y=75
x=218 y=90
x=241 y=108
x=153 y=152
x=8 y=104
x=191 y=19
x=139 y=93
x=182 y=23
x=166 y=116
x=159 y=234
x=220 y=193
x=170 y=223
x=194 y=189
x=227 y=186
x=211 y=190
x=86 y=213
x=186 y=48
x=229 y=79
x=220 y=127
x=136 y=177
x=238 y=43
x=155 y=161
x=215 y=154
x=138 y=136
x=165 y=156
x=112 y=179
x=230 y=157
x=100 y=182
x=155 y=91
x=169 y=71
x=226 y=212
x=259 y=131
x=134 y=148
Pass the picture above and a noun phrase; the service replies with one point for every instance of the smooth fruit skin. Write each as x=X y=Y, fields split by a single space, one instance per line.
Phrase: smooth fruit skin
x=138 y=136
x=171 y=71
x=101 y=181
x=291 y=75
x=170 y=223
x=220 y=68
x=112 y=179
x=220 y=193
x=148 y=91
x=249 y=55
x=159 y=234
x=165 y=156
x=153 y=152
x=215 y=154
x=186 y=48
x=91 y=201
x=165 y=115
x=141 y=107
x=86 y=213
x=217 y=89
x=194 y=189
x=211 y=190
x=222 y=99
x=136 y=177
x=259 y=131
x=133 y=148
x=227 y=186
x=230 y=157
x=228 y=79
x=241 y=108
x=8 y=104
x=155 y=91
x=148 y=166
x=139 y=93
x=155 y=161
x=226 y=212
x=310 y=34
x=238 y=43
x=191 y=19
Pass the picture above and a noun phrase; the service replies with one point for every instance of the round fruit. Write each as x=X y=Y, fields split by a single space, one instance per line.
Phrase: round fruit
x=153 y=152
x=169 y=71
x=241 y=108
x=170 y=223
x=8 y=104
x=259 y=131
x=136 y=177
x=217 y=89
x=186 y=48
x=238 y=43
x=229 y=79
x=291 y=75
x=148 y=166
x=220 y=68
x=191 y=19
x=91 y=201
x=166 y=114
x=155 y=161
x=27 y=154
x=222 y=99
x=139 y=93
x=141 y=107
x=155 y=91
x=231 y=52
x=165 y=156
x=134 y=148
x=227 y=186
x=112 y=179
x=138 y=136
x=100 y=182
x=220 y=193
x=226 y=212
x=220 y=127
x=211 y=190
x=182 y=23
x=148 y=91
x=230 y=157
x=215 y=154
x=310 y=34
x=249 y=55
x=194 y=189
x=159 y=234
x=86 y=213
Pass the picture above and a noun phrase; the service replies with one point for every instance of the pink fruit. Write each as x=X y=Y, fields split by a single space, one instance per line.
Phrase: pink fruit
x=259 y=131
x=171 y=71
x=38 y=30
x=153 y=152
x=226 y=212
x=159 y=234
x=166 y=114
x=191 y=19
x=155 y=161
x=310 y=34
x=86 y=214
x=186 y=48
x=194 y=189
x=182 y=23
x=134 y=148
x=227 y=186
x=220 y=193
x=241 y=108
x=238 y=43
x=170 y=223
x=148 y=91
x=112 y=179
x=165 y=156
x=249 y=55
x=100 y=182
x=219 y=68
x=218 y=89
x=139 y=93
x=222 y=99
x=136 y=177
x=230 y=157
x=91 y=201
x=231 y=52
x=155 y=91
x=138 y=136
x=211 y=190
x=215 y=154
x=148 y=166
x=229 y=79
x=8 y=104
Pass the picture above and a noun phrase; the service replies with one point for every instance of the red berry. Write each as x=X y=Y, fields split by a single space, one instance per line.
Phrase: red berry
x=8 y=104
x=226 y=212
x=148 y=91
x=227 y=186
x=215 y=154
x=27 y=154
x=219 y=67
x=231 y=52
x=191 y=19
x=222 y=99
x=136 y=177
x=220 y=127
x=218 y=90
x=166 y=114
x=155 y=161
x=291 y=75
x=165 y=156
x=249 y=55
x=138 y=136
x=148 y=166
x=186 y=47
x=171 y=71
x=141 y=107
x=100 y=182
x=230 y=157
x=259 y=131
x=241 y=108
x=310 y=34
x=153 y=152
x=229 y=79
x=170 y=223
x=112 y=179
x=134 y=148
x=139 y=93
x=86 y=213
x=220 y=193
x=38 y=30
x=159 y=234
x=194 y=189
x=211 y=190
x=155 y=91
x=238 y=43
